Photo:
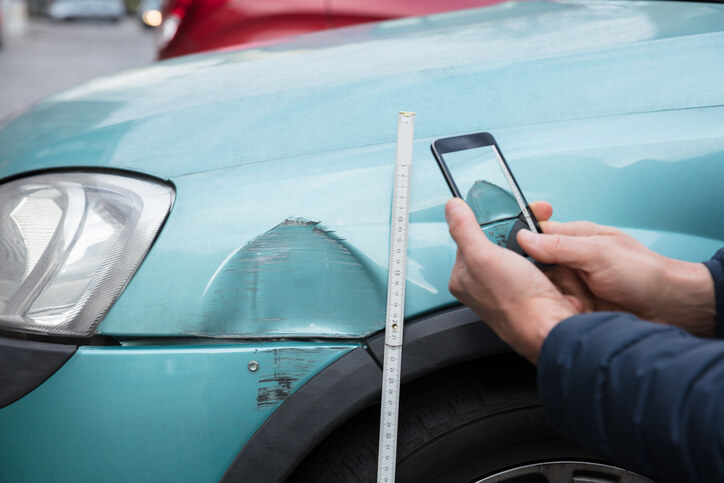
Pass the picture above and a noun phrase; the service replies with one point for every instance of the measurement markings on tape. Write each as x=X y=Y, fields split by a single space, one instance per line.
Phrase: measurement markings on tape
x=394 y=321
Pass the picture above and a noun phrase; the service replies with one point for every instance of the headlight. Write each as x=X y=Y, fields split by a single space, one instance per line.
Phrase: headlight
x=69 y=244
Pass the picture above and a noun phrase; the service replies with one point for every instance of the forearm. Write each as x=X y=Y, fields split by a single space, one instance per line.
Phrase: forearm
x=687 y=298
x=644 y=395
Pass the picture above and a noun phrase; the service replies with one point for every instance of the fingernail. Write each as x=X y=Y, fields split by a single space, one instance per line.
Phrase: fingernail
x=451 y=207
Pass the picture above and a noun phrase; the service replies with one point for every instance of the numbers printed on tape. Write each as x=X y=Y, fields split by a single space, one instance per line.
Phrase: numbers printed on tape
x=397 y=273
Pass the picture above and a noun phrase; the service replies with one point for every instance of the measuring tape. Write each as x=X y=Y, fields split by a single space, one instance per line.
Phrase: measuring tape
x=395 y=300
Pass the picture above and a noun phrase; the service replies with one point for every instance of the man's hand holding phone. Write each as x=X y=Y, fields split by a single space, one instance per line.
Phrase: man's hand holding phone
x=607 y=270
x=475 y=170
x=597 y=268
x=508 y=292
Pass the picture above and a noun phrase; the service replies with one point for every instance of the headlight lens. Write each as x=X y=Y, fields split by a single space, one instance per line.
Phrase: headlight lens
x=69 y=244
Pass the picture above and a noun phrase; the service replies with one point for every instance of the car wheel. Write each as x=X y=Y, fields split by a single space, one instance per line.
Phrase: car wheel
x=479 y=422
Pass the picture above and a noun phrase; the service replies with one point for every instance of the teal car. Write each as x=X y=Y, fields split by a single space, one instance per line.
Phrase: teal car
x=194 y=255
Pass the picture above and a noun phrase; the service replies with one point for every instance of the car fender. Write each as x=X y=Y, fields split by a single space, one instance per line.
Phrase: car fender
x=354 y=382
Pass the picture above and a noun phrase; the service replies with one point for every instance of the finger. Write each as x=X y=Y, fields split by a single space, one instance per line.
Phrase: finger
x=542 y=210
x=576 y=228
x=463 y=225
x=569 y=283
x=573 y=251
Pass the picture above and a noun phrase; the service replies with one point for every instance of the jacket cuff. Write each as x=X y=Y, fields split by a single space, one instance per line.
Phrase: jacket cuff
x=716 y=268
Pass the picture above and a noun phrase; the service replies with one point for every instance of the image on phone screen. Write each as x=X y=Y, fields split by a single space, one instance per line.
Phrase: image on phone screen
x=476 y=170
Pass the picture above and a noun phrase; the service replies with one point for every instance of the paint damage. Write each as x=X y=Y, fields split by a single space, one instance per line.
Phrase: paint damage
x=296 y=279
x=276 y=382
x=495 y=209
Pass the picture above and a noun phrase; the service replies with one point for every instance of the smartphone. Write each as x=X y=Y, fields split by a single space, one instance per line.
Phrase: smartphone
x=475 y=170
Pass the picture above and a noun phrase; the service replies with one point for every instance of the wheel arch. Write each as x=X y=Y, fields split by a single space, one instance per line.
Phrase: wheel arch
x=353 y=383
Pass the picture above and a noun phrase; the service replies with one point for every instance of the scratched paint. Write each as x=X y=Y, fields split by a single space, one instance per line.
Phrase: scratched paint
x=604 y=111
x=277 y=381
x=177 y=413
x=294 y=279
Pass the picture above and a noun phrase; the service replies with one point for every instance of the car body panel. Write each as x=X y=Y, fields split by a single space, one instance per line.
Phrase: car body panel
x=282 y=160
x=536 y=63
x=330 y=270
x=165 y=413
x=212 y=24
x=382 y=9
x=570 y=104
x=203 y=25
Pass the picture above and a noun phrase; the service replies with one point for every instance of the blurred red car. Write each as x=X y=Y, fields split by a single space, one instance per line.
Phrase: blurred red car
x=198 y=25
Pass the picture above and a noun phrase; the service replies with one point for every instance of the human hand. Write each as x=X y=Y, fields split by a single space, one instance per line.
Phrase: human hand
x=605 y=269
x=507 y=291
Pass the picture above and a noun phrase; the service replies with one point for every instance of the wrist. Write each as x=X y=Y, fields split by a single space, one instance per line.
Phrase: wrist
x=688 y=297
x=543 y=315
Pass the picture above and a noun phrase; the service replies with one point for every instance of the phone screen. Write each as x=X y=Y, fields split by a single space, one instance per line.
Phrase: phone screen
x=482 y=184
x=476 y=171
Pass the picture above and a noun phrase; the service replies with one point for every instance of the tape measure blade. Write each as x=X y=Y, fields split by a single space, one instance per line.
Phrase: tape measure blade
x=397 y=272
x=389 y=416
x=394 y=320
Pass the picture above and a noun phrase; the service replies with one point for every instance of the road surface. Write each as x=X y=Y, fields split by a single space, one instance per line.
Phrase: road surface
x=53 y=56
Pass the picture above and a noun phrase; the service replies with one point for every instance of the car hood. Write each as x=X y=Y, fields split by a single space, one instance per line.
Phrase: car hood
x=534 y=62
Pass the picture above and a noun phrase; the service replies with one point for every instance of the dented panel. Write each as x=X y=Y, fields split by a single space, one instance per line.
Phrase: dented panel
x=586 y=119
x=298 y=277
x=491 y=203
x=298 y=247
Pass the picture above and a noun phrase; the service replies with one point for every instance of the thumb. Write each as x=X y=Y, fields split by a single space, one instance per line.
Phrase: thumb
x=571 y=251
x=463 y=224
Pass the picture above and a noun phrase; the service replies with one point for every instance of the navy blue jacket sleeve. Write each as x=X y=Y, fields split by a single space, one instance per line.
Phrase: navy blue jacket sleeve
x=716 y=267
x=647 y=396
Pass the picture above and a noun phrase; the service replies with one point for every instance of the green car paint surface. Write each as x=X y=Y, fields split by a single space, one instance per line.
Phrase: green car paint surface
x=299 y=251
x=282 y=159
x=282 y=156
x=509 y=65
x=152 y=414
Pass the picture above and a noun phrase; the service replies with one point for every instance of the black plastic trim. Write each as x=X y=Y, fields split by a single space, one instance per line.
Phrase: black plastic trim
x=441 y=340
x=94 y=340
x=89 y=169
x=25 y=364
x=302 y=421
x=352 y=383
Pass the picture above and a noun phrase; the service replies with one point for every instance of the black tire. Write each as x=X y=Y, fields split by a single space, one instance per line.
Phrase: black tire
x=460 y=425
